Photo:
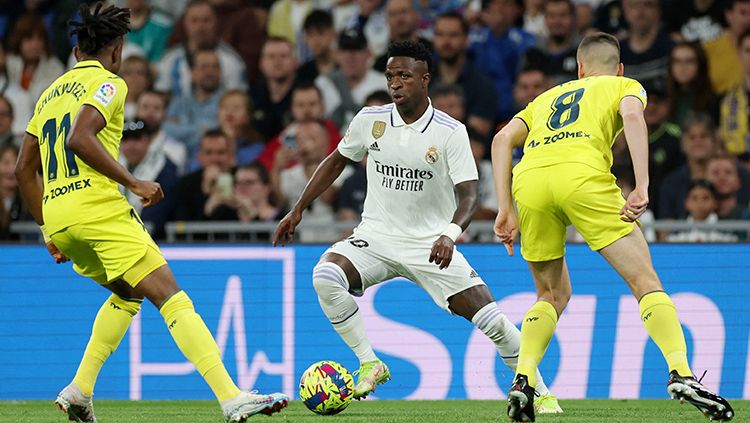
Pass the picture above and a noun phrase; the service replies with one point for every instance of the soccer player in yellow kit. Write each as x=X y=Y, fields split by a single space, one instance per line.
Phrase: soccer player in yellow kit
x=74 y=137
x=564 y=178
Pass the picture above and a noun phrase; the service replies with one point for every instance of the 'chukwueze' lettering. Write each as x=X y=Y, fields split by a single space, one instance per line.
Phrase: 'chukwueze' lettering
x=76 y=89
x=397 y=171
x=73 y=186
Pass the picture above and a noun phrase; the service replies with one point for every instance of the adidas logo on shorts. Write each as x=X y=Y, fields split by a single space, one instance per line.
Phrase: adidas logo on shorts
x=374 y=146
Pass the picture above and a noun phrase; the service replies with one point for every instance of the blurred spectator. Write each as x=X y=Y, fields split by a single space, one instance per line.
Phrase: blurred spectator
x=149 y=29
x=609 y=18
x=487 y=198
x=147 y=161
x=345 y=89
x=272 y=96
x=700 y=203
x=585 y=15
x=201 y=32
x=152 y=107
x=11 y=207
x=371 y=20
x=449 y=99
x=285 y=21
x=30 y=63
x=249 y=200
x=288 y=184
x=216 y=158
x=529 y=84
x=430 y=10
x=320 y=37
x=699 y=144
x=453 y=67
x=556 y=53
x=242 y=26
x=665 y=153
x=533 y=18
x=235 y=112
x=645 y=51
x=194 y=112
x=403 y=22
x=6 y=123
x=497 y=49
x=688 y=84
x=696 y=20
x=307 y=105
x=723 y=64
x=724 y=173
x=136 y=73
x=20 y=101
x=734 y=123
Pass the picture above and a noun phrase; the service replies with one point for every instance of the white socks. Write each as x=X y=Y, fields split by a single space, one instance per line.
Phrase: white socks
x=330 y=282
x=506 y=336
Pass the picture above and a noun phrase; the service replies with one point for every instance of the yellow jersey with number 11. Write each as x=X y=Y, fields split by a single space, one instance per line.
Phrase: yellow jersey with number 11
x=576 y=122
x=74 y=192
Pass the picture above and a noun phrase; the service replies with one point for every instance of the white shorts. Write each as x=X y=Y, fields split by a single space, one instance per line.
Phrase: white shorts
x=378 y=260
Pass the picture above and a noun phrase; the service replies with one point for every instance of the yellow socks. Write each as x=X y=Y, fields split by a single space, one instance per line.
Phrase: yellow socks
x=110 y=325
x=197 y=344
x=659 y=315
x=536 y=332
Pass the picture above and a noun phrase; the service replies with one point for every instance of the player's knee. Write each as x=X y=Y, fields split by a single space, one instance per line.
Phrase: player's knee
x=329 y=279
x=130 y=305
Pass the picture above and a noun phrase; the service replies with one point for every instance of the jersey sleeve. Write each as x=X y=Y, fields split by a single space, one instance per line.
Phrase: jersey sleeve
x=525 y=116
x=33 y=126
x=631 y=87
x=107 y=95
x=352 y=145
x=461 y=165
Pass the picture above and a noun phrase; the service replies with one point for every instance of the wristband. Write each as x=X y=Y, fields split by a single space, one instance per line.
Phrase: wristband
x=452 y=231
x=46 y=237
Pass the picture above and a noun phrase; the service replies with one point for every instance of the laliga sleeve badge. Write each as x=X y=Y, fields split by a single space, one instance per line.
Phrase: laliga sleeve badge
x=378 y=129
x=432 y=155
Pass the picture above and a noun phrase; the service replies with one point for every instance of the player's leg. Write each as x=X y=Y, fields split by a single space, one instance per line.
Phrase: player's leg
x=631 y=259
x=477 y=305
x=335 y=278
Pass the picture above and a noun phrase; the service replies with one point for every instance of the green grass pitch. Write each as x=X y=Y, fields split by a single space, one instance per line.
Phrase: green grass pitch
x=449 y=411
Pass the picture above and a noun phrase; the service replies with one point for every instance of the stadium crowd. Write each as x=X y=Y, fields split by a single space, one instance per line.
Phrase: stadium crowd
x=232 y=104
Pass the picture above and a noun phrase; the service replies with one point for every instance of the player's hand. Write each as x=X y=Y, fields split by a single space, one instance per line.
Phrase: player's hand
x=285 y=230
x=442 y=252
x=506 y=228
x=635 y=206
x=150 y=192
x=56 y=254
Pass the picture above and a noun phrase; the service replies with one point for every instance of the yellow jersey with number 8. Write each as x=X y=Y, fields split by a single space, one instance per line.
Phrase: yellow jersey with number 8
x=576 y=122
x=74 y=192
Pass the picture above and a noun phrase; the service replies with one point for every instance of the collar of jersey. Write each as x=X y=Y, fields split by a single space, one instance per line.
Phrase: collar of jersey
x=420 y=124
x=88 y=64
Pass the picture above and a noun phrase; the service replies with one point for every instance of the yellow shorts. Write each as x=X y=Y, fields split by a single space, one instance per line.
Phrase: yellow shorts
x=551 y=198
x=106 y=250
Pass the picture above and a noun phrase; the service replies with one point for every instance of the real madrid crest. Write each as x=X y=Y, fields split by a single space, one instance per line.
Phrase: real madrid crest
x=378 y=129
x=432 y=155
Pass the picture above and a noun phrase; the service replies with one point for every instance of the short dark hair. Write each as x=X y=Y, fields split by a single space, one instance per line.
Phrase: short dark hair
x=99 y=28
x=190 y=57
x=307 y=85
x=729 y=4
x=475 y=135
x=214 y=133
x=380 y=96
x=413 y=49
x=259 y=169
x=442 y=89
x=699 y=118
x=457 y=16
x=569 y=3
x=318 y=19
x=703 y=183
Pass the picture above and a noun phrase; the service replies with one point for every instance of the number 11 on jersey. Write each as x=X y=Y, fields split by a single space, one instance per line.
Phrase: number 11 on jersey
x=51 y=134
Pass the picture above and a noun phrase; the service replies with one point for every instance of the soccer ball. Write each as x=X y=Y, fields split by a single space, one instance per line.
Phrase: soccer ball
x=326 y=387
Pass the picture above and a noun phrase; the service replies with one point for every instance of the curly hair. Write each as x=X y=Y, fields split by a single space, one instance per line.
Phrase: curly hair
x=413 y=49
x=99 y=27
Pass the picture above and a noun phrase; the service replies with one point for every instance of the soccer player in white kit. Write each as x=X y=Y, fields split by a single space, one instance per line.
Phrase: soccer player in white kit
x=410 y=222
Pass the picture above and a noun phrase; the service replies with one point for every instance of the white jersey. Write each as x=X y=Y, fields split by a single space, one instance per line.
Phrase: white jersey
x=411 y=170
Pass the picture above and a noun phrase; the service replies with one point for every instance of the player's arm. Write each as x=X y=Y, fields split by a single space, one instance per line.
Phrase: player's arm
x=83 y=142
x=32 y=188
x=636 y=135
x=442 y=248
x=512 y=135
x=326 y=173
